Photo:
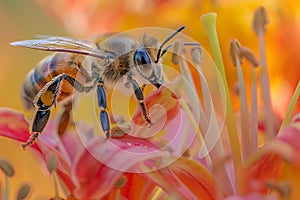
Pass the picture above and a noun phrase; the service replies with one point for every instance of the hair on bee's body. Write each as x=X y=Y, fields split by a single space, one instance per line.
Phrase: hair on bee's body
x=46 y=70
x=85 y=65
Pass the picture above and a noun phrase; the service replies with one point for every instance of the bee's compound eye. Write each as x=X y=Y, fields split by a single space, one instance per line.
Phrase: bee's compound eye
x=141 y=57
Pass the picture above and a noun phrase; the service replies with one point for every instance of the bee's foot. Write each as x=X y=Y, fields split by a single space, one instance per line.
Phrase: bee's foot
x=31 y=140
x=107 y=134
x=150 y=124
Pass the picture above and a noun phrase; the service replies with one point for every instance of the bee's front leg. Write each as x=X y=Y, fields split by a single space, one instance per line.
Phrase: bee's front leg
x=140 y=97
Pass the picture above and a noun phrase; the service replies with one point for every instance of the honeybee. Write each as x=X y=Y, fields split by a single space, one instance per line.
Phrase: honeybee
x=85 y=65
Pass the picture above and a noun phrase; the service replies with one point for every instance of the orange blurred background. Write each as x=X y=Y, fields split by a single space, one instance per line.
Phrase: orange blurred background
x=83 y=18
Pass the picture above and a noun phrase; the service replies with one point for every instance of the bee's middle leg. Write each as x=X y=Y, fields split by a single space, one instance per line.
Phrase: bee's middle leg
x=102 y=104
x=67 y=107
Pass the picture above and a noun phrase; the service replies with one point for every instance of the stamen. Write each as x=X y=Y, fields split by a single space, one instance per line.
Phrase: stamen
x=244 y=114
x=189 y=82
x=261 y=19
x=249 y=55
x=6 y=167
x=212 y=128
x=179 y=58
x=253 y=117
x=213 y=155
x=23 y=192
x=9 y=171
x=246 y=53
x=52 y=165
x=196 y=57
x=234 y=53
x=196 y=54
x=259 y=22
x=177 y=50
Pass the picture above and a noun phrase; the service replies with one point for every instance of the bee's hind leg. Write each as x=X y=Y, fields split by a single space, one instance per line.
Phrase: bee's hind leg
x=45 y=99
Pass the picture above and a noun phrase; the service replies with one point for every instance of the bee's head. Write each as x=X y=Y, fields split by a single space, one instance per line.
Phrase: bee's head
x=147 y=68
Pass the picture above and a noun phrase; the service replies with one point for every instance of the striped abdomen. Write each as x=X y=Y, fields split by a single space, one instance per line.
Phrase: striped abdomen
x=47 y=69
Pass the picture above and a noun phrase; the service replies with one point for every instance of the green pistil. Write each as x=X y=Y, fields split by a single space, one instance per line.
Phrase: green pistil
x=209 y=22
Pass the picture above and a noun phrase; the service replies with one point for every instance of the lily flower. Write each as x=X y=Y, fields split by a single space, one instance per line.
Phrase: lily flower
x=197 y=149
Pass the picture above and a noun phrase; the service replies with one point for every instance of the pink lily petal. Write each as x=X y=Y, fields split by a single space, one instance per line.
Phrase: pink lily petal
x=134 y=187
x=106 y=160
x=267 y=164
x=163 y=106
x=14 y=126
x=247 y=197
x=185 y=179
x=68 y=145
x=255 y=175
x=291 y=136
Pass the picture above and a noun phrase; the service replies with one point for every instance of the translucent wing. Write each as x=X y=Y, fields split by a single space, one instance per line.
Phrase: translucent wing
x=62 y=44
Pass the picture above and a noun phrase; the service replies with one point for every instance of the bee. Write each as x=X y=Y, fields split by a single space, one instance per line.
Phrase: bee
x=86 y=65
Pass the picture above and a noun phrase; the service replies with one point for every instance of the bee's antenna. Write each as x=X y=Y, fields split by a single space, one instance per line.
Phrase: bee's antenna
x=167 y=40
x=165 y=50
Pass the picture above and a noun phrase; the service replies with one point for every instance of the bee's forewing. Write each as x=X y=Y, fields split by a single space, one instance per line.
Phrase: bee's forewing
x=62 y=44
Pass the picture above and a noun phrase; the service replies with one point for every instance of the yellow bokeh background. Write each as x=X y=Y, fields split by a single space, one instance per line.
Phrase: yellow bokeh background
x=21 y=20
x=25 y=19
